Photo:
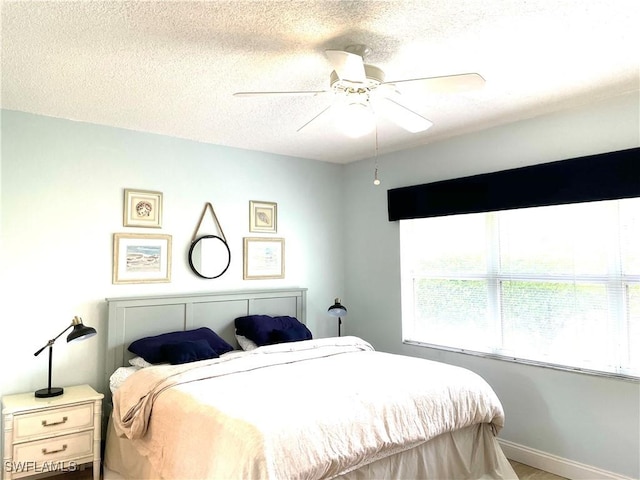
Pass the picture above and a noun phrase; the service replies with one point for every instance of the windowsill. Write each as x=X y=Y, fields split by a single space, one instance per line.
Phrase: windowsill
x=535 y=363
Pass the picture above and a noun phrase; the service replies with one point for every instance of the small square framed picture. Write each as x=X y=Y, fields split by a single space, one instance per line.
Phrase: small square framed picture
x=142 y=208
x=263 y=217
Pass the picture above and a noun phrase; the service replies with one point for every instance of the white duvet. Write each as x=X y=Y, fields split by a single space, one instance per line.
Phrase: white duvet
x=312 y=409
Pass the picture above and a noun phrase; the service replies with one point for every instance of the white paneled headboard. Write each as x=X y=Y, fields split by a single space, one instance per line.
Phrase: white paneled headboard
x=137 y=317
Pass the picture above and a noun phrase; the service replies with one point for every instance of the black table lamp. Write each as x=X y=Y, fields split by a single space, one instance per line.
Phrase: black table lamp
x=338 y=310
x=80 y=332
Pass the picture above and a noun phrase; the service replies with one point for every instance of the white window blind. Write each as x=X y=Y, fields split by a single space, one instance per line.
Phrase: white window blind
x=558 y=285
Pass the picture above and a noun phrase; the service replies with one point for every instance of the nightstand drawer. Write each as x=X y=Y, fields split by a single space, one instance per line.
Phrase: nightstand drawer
x=64 y=447
x=52 y=421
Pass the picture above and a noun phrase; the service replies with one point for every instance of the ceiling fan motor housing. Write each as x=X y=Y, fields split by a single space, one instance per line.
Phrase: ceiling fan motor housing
x=374 y=77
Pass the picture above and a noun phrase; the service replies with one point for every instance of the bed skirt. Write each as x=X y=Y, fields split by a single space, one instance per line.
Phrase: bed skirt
x=471 y=453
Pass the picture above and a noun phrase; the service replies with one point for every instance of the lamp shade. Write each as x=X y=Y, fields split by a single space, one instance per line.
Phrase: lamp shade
x=80 y=331
x=337 y=309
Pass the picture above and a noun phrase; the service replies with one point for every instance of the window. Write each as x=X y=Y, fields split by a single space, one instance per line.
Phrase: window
x=558 y=285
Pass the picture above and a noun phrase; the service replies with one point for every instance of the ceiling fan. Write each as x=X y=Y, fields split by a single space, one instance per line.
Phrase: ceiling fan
x=360 y=90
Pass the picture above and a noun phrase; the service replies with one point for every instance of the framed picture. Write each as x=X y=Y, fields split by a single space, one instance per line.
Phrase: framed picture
x=263 y=258
x=142 y=208
x=141 y=258
x=263 y=216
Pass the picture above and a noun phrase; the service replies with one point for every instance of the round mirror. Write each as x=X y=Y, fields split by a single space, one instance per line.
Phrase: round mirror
x=209 y=256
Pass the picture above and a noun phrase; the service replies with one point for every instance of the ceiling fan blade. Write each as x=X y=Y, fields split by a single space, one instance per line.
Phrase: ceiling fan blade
x=448 y=83
x=403 y=116
x=348 y=66
x=313 y=118
x=312 y=93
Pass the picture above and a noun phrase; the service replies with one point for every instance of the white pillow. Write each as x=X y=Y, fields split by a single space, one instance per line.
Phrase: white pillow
x=119 y=376
x=139 y=362
x=245 y=343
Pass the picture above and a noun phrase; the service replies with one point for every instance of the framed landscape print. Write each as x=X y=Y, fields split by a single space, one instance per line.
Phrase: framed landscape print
x=263 y=217
x=141 y=258
x=263 y=258
x=142 y=208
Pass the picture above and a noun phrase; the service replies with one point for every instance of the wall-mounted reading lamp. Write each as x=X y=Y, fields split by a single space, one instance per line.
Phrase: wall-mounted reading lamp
x=80 y=332
x=338 y=310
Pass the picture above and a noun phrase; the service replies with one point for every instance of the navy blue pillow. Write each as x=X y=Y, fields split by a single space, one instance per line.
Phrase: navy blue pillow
x=260 y=328
x=149 y=347
x=187 y=351
x=292 y=334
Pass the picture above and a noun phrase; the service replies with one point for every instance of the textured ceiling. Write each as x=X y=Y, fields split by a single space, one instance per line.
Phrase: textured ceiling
x=171 y=67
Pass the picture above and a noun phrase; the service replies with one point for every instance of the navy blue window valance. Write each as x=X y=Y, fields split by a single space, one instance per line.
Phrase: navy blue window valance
x=606 y=176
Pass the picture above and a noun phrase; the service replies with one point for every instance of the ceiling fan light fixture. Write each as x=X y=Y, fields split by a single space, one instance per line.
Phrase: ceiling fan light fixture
x=355 y=119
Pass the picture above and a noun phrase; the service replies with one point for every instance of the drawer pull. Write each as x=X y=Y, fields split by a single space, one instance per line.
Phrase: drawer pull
x=45 y=452
x=45 y=424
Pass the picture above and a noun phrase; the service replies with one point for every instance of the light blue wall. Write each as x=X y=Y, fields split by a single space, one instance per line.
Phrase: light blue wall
x=62 y=201
x=594 y=421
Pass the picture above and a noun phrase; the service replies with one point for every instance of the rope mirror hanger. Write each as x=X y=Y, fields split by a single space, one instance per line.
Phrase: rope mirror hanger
x=209 y=255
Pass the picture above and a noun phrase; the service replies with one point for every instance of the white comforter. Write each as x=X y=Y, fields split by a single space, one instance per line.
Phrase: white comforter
x=312 y=409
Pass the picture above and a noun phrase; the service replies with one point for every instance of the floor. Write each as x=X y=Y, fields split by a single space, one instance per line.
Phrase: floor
x=524 y=472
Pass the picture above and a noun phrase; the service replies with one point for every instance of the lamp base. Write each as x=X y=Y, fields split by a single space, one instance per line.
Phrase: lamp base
x=49 y=392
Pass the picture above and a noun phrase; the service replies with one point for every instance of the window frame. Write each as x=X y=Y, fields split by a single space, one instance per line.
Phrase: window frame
x=615 y=282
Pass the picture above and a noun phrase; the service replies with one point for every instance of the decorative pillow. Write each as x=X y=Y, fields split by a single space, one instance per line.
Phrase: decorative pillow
x=293 y=334
x=245 y=343
x=149 y=347
x=259 y=328
x=139 y=362
x=187 y=351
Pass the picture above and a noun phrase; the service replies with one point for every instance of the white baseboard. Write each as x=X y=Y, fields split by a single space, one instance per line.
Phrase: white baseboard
x=554 y=464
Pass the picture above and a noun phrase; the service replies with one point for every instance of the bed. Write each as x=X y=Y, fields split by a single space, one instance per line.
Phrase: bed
x=317 y=408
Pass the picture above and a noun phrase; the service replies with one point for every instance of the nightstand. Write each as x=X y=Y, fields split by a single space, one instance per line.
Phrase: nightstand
x=54 y=434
